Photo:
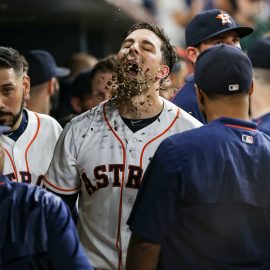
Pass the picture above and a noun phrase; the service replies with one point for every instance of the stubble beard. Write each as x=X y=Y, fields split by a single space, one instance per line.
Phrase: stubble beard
x=14 y=117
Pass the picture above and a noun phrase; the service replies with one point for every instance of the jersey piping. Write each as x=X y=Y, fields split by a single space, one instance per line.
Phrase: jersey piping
x=26 y=151
x=61 y=189
x=241 y=127
x=162 y=133
x=33 y=139
x=12 y=163
x=118 y=238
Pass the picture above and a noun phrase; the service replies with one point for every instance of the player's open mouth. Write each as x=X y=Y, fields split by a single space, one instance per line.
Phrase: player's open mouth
x=132 y=69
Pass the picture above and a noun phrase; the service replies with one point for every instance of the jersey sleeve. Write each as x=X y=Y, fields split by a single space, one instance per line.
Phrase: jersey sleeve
x=62 y=176
x=64 y=249
x=156 y=202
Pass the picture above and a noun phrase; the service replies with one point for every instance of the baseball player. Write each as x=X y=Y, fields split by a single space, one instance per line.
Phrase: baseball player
x=106 y=150
x=36 y=229
x=206 y=29
x=259 y=54
x=90 y=87
x=204 y=200
x=44 y=75
x=30 y=142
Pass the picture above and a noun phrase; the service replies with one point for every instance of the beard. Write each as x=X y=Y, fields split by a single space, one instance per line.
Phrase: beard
x=130 y=83
x=10 y=119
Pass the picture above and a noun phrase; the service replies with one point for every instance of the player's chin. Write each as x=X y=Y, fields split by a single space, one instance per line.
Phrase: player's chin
x=6 y=120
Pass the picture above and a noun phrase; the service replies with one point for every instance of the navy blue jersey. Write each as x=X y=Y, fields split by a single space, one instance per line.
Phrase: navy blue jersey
x=186 y=99
x=264 y=123
x=205 y=198
x=36 y=231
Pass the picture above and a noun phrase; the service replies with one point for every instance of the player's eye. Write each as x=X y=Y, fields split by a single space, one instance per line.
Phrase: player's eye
x=219 y=42
x=147 y=48
x=236 y=40
x=127 y=44
x=7 y=91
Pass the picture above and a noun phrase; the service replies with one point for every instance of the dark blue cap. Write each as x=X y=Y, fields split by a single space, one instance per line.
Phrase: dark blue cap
x=259 y=53
x=223 y=69
x=42 y=67
x=210 y=23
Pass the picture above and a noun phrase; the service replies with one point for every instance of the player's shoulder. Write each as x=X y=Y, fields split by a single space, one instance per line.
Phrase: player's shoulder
x=21 y=194
x=44 y=119
x=88 y=115
x=95 y=114
x=182 y=115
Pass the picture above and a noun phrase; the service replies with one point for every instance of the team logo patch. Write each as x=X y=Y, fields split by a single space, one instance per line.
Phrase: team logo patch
x=247 y=139
x=225 y=18
x=233 y=87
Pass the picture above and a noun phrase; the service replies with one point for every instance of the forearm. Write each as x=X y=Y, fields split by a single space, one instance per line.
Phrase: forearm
x=70 y=200
x=142 y=255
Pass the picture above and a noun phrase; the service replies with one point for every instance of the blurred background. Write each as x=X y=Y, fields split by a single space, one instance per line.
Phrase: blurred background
x=65 y=27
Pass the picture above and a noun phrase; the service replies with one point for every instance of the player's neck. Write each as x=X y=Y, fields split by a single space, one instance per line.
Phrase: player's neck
x=39 y=103
x=238 y=112
x=17 y=124
x=260 y=101
x=142 y=106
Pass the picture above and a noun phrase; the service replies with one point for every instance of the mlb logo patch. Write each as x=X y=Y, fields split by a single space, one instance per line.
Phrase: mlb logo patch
x=247 y=139
x=233 y=87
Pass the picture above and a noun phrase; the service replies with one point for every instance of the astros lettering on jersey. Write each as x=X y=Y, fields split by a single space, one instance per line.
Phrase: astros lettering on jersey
x=98 y=155
x=28 y=158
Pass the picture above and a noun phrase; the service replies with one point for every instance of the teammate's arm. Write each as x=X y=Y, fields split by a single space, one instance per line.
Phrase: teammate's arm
x=155 y=207
x=64 y=249
x=61 y=169
x=70 y=200
x=142 y=255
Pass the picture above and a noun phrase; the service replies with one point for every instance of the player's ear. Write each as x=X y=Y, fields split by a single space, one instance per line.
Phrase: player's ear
x=199 y=94
x=163 y=72
x=250 y=91
x=200 y=97
x=26 y=85
x=53 y=85
x=192 y=53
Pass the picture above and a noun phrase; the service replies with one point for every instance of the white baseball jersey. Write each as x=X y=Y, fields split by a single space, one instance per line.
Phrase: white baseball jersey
x=98 y=155
x=27 y=159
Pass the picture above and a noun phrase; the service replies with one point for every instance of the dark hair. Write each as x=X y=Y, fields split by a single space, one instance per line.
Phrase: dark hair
x=82 y=84
x=10 y=58
x=25 y=64
x=107 y=64
x=167 y=50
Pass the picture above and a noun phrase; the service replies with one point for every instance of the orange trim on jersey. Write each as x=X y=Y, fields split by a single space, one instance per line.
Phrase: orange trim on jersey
x=58 y=188
x=12 y=163
x=241 y=127
x=28 y=146
x=155 y=138
x=118 y=240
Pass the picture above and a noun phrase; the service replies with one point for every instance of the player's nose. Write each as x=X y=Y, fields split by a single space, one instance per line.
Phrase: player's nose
x=2 y=104
x=134 y=48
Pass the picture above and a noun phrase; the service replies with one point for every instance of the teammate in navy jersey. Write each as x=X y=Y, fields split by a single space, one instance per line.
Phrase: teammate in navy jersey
x=206 y=29
x=204 y=200
x=259 y=54
x=36 y=229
